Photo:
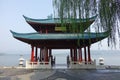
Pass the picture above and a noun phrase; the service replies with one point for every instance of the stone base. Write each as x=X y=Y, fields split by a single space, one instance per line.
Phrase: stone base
x=85 y=66
x=38 y=65
x=82 y=65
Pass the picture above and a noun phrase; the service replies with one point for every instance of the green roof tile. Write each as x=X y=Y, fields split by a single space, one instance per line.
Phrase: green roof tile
x=38 y=36
x=57 y=20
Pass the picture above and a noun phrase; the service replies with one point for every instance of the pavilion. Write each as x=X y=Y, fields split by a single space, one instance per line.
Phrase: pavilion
x=50 y=35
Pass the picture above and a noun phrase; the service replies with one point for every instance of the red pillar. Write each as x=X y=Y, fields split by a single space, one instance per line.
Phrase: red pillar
x=40 y=31
x=85 y=55
x=50 y=52
x=40 y=55
x=32 y=54
x=71 y=54
x=36 y=52
x=89 y=56
x=46 y=31
x=80 y=54
x=46 y=55
x=75 y=54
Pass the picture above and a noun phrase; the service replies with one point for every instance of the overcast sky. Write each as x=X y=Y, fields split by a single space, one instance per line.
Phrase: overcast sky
x=11 y=18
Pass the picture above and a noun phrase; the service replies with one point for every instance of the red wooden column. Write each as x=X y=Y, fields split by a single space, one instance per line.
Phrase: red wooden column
x=71 y=54
x=46 y=55
x=85 y=55
x=50 y=56
x=89 y=56
x=75 y=54
x=36 y=53
x=46 y=31
x=40 y=55
x=50 y=52
x=43 y=54
x=32 y=54
x=80 y=54
x=40 y=31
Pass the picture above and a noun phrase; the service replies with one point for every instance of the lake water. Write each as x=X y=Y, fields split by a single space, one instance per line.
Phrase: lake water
x=111 y=57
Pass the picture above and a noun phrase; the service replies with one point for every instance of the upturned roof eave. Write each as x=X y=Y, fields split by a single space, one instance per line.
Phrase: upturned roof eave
x=69 y=36
x=57 y=20
x=61 y=43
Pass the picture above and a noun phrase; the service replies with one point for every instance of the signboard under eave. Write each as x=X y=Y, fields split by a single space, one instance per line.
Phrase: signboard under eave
x=60 y=29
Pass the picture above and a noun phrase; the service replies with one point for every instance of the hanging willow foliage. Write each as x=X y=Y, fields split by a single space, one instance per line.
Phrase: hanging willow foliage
x=108 y=12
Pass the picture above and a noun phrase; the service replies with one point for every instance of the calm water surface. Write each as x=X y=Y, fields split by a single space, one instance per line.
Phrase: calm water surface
x=111 y=57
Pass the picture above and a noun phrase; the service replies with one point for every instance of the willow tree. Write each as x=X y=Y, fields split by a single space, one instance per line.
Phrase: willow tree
x=108 y=12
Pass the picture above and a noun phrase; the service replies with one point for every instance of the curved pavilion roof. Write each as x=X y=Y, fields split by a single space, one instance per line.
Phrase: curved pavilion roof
x=50 y=24
x=66 y=40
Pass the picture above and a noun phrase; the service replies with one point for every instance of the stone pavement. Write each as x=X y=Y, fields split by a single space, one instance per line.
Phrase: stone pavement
x=59 y=74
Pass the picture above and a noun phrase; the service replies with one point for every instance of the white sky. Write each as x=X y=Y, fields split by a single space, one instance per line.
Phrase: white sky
x=11 y=18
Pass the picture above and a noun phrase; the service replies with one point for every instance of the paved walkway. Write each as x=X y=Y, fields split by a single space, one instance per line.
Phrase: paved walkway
x=85 y=75
x=59 y=74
